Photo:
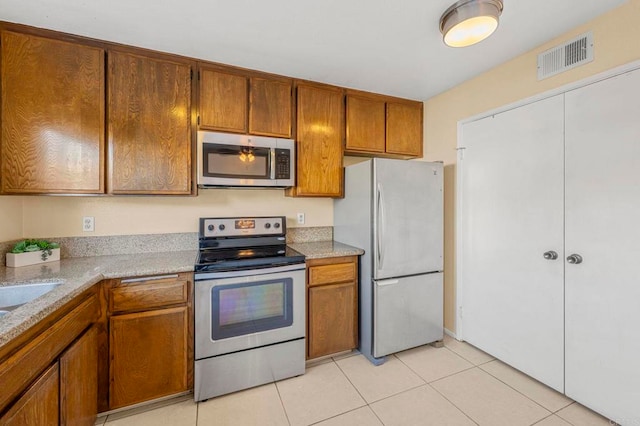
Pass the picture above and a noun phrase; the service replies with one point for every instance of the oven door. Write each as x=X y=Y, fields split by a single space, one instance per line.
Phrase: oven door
x=248 y=309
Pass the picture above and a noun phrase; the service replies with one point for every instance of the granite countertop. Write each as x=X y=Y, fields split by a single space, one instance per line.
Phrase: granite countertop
x=322 y=249
x=77 y=275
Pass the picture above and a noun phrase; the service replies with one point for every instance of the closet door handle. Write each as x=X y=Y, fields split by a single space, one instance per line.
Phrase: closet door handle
x=550 y=255
x=574 y=259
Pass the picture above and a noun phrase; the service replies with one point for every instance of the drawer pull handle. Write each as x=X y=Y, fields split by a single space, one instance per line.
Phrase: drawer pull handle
x=143 y=279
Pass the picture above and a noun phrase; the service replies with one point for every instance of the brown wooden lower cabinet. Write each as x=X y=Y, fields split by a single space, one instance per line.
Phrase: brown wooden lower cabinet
x=332 y=305
x=48 y=373
x=79 y=381
x=39 y=404
x=150 y=354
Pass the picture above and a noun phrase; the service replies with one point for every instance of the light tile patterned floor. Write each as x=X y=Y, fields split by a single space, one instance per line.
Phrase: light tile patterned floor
x=454 y=385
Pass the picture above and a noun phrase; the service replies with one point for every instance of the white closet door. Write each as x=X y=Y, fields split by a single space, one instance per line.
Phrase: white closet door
x=603 y=226
x=512 y=213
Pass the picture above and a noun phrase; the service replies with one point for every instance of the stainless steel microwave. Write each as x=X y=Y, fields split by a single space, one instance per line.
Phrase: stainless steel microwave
x=232 y=160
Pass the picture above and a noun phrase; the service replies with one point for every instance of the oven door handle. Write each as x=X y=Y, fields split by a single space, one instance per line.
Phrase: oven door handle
x=247 y=272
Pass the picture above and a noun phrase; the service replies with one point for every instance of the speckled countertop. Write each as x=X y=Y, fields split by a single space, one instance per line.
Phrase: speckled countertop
x=78 y=274
x=322 y=249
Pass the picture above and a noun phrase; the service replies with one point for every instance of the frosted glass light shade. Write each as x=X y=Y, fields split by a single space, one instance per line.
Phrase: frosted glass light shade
x=468 y=22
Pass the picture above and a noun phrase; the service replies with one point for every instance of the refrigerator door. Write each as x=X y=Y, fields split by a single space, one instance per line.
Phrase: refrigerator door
x=407 y=313
x=408 y=217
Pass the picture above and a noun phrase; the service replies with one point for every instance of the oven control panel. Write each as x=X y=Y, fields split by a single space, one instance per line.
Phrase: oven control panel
x=242 y=226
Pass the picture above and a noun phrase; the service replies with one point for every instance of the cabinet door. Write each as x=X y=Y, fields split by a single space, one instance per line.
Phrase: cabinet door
x=38 y=405
x=223 y=101
x=148 y=353
x=404 y=129
x=52 y=116
x=332 y=319
x=270 y=107
x=602 y=211
x=319 y=142
x=149 y=125
x=79 y=381
x=365 y=124
x=512 y=203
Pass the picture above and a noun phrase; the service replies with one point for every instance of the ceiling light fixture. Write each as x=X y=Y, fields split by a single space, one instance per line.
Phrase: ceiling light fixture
x=468 y=22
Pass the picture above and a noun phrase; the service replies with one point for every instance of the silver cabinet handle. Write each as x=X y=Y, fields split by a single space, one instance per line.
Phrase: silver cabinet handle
x=550 y=255
x=574 y=259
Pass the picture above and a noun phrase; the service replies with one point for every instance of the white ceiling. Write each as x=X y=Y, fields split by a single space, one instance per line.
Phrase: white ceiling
x=384 y=46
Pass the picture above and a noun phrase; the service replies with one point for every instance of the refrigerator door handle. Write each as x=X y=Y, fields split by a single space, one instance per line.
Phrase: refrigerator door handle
x=380 y=225
x=386 y=282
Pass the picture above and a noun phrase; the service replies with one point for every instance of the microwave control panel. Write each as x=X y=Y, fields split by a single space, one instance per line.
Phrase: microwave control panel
x=283 y=164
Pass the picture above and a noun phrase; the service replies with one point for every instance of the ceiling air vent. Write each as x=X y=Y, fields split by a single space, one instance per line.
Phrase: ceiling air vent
x=569 y=55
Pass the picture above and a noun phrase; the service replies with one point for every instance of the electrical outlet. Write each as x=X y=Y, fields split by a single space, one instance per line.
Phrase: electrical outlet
x=300 y=218
x=88 y=224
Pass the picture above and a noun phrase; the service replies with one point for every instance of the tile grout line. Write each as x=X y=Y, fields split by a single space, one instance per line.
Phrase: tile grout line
x=451 y=402
x=526 y=396
x=286 y=415
x=439 y=378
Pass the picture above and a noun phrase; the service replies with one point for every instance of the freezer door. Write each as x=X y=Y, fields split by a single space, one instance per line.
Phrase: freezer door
x=407 y=312
x=408 y=218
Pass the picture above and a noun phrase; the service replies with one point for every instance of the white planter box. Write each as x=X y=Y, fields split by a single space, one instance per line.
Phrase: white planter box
x=15 y=260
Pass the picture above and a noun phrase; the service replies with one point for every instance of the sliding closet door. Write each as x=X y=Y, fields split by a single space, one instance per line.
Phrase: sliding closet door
x=603 y=226
x=511 y=206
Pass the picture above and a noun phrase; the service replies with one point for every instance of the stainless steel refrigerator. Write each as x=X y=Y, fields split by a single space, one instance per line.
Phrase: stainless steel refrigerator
x=393 y=209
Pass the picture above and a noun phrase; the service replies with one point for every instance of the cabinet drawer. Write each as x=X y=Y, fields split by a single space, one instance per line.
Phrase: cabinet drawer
x=331 y=274
x=132 y=296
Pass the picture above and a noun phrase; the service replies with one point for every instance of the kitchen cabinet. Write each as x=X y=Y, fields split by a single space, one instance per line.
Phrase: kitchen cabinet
x=79 y=381
x=404 y=128
x=366 y=123
x=542 y=184
x=270 y=107
x=382 y=126
x=52 y=110
x=332 y=305
x=240 y=102
x=149 y=125
x=223 y=101
x=150 y=339
x=319 y=138
x=39 y=404
x=49 y=371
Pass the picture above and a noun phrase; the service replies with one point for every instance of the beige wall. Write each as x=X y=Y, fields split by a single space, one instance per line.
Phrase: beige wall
x=62 y=216
x=10 y=218
x=616 y=36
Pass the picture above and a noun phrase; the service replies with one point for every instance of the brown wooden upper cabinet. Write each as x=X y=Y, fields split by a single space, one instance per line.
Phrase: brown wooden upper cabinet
x=232 y=101
x=380 y=125
x=52 y=116
x=149 y=125
x=404 y=128
x=320 y=130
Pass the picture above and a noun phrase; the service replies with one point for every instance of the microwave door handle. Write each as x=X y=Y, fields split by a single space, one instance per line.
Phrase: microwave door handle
x=272 y=163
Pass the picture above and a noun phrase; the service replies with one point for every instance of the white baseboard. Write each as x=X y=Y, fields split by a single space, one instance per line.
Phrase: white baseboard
x=450 y=333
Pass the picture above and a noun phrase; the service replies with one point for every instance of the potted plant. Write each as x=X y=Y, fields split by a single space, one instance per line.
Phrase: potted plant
x=31 y=252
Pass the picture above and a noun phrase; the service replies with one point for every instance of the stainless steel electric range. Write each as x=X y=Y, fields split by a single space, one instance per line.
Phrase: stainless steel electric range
x=249 y=305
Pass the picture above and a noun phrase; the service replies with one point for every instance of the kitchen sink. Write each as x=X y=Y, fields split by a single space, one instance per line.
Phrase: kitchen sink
x=13 y=296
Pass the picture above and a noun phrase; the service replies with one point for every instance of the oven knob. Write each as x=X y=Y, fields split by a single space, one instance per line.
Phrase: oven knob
x=276 y=225
x=221 y=227
x=267 y=225
x=210 y=227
